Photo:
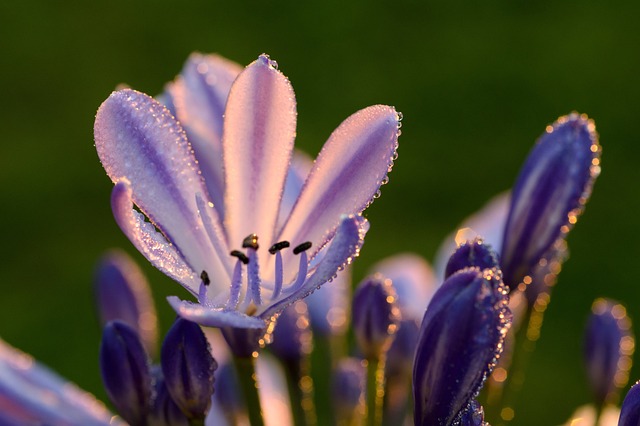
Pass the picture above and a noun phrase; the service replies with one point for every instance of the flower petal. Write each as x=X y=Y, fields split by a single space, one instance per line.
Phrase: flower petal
x=150 y=242
x=214 y=317
x=137 y=139
x=347 y=174
x=199 y=95
x=259 y=131
x=31 y=394
x=550 y=193
x=301 y=164
x=344 y=247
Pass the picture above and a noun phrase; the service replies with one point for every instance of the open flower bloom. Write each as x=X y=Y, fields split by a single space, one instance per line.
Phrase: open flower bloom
x=238 y=259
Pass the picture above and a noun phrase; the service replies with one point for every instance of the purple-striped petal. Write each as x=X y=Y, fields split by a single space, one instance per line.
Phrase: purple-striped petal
x=630 y=411
x=199 y=96
x=122 y=293
x=259 y=131
x=344 y=247
x=550 y=193
x=32 y=394
x=345 y=178
x=152 y=244
x=301 y=164
x=137 y=139
x=461 y=336
x=471 y=253
x=608 y=350
x=214 y=317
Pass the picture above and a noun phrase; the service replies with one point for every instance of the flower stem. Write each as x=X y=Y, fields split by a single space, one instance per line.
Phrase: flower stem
x=321 y=361
x=375 y=391
x=300 y=386
x=245 y=368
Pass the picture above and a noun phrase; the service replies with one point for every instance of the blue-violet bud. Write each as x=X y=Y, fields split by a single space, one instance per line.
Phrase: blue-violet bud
x=292 y=337
x=608 y=350
x=400 y=355
x=375 y=315
x=348 y=389
x=125 y=372
x=188 y=367
x=122 y=293
x=461 y=337
x=549 y=194
x=471 y=253
x=630 y=411
x=164 y=411
x=329 y=306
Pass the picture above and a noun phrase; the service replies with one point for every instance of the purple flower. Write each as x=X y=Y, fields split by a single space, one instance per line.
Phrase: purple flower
x=630 y=411
x=32 y=394
x=234 y=244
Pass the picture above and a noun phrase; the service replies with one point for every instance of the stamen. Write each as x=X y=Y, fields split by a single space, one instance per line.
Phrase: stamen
x=251 y=241
x=277 y=287
x=302 y=247
x=240 y=255
x=236 y=283
x=253 y=270
x=279 y=246
x=302 y=271
x=202 y=291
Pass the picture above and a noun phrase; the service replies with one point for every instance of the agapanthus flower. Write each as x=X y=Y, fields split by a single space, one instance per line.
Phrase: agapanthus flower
x=222 y=222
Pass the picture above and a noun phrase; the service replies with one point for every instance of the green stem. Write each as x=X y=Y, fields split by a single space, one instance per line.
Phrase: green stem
x=375 y=391
x=300 y=387
x=321 y=361
x=245 y=368
x=196 y=422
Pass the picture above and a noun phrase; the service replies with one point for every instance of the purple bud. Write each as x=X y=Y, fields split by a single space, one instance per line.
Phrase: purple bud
x=348 y=389
x=375 y=315
x=471 y=253
x=329 y=306
x=292 y=337
x=122 y=293
x=165 y=412
x=473 y=415
x=188 y=367
x=630 y=411
x=125 y=372
x=461 y=337
x=229 y=396
x=545 y=273
x=401 y=353
x=608 y=349
x=550 y=193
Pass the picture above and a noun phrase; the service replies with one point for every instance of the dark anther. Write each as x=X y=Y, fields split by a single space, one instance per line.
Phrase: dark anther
x=240 y=255
x=279 y=246
x=302 y=247
x=205 y=278
x=250 y=241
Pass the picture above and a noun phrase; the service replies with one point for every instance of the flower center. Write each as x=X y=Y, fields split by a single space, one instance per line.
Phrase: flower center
x=254 y=282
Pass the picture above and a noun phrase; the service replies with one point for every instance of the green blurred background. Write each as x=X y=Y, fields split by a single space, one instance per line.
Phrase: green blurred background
x=477 y=83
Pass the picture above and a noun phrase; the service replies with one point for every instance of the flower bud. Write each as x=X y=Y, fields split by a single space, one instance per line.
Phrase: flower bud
x=550 y=193
x=292 y=337
x=348 y=389
x=471 y=253
x=188 y=367
x=329 y=306
x=461 y=337
x=125 y=372
x=473 y=415
x=122 y=293
x=630 y=411
x=608 y=350
x=375 y=315
x=400 y=356
x=165 y=412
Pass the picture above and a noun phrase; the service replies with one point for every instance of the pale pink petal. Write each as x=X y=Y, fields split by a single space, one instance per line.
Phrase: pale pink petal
x=259 y=131
x=152 y=244
x=346 y=176
x=137 y=139
x=199 y=96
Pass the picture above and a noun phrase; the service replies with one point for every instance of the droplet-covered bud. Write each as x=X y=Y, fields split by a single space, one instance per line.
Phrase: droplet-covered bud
x=348 y=390
x=125 y=372
x=549 y=194
x=608 y=350
x=291 y=337
x=122 y=293
x=473 y=415
x=188 y=367
x=461 y=337
x=375 y=315
x=630 y=411
x=165 y=412
x=472 y=253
